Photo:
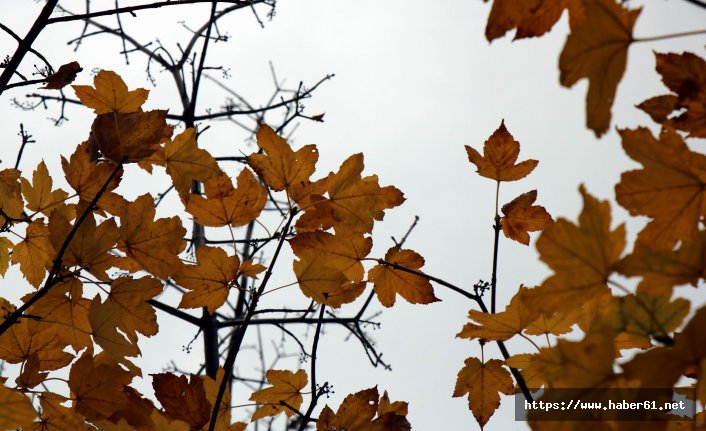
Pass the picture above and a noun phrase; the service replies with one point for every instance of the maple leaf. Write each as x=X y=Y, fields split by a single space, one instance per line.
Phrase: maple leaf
x=127 y=137
x=225 y=205
x=186 y=162
x=250 y=269
x=500 y=326
x=34 y=253
x=353 y=202
x=582 y=257
x=324 y=284
x=161 y=423
x=153 y=244
x=280 y=167
x=11 y=202
x=342 y=251
x=532 y=18
x=357 y=413
x=96 y=385
x=597 y=50
x=523 y=362
x=130 y=296
x=390 y=281
x=63 y=77
x=39 y=194
x=500 y=153
x=521 y=217
x=89 y=246
x=483 y=382
x=56 y=417
x=105 y=318
x=16 y=409
x=685 y=75
x=211 y=387
x=557 y=324
x=87 y=177
x=182 y=399
x=285 y=392
x=652 y=315
x=110 y=94
x=210 y=280
x=5 y=246
x=669 y=187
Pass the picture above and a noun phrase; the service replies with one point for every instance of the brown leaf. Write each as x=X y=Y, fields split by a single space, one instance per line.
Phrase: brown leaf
x=521 y=217
x=210 y=280
x=63 y=77
x=390 y=281
x=187 y=162
x=357 y=413
x=531 y=18
x=597 y=50
x=34 y=253
x=182 y=399
x=127 y=137
x=110 y=94
x=500 y=153
x=286 y=389
x=483 y=382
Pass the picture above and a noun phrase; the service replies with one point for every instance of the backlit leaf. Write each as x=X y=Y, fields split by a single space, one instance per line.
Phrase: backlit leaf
x=186 y=162
x=521 y=217
x=34 y=253
x=110 y=94
x=500 y=153
x=357 y=413
x=500 y=326
x=286 y=389
x=390 y=281
x=483 y=382
x=39 y=194
x=531 y=18
x=210 y=280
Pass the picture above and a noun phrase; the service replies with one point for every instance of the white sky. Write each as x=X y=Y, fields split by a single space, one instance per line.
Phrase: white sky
x=415 y=81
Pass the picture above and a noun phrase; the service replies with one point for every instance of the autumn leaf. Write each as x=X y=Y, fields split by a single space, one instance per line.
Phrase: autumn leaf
x=96 y=385
x=127 y=137
x=483 y=382
x=105 y=318
x=389 y=280
x=285 y=392
x=342 y=251
x=357 y=413
x=523 y=362
x=39 y=194
x=353 y=202
x=161 y=423
x=182 y=399
x=11 y=202
x=280 y=167
x=55 y=417
x=650 y=315
x=63 y=77
x=210 y=280
x=521 y=217
x=531 y=19
x=16 y=409
x=582 y=257
x=228 y=206
x=153 y=244
x=685 y=75
x=251 y=269
x=110 y=94
x=28 y=338
x=186 y=162
x=559 y=323
x=500 y=326
x=324 y=284
x=5 y=246
x=500 y=153
x=669 y=187
x=130 y=297
x=597 y=50
x=34 y=253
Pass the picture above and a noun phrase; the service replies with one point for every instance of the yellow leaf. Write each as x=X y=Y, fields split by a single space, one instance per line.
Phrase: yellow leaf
x=501 y=326
x=39 y=194
x=390 y=281
x=286 y=388
x=598 y=50
x=324 y=284
x=342 y=251
x=130 y=296
x=16 y=409
x=483 y=382
x=210 y=280
x=34 y=253
x=5 y=246
x=110 y=94
x=105 y=318
x=127 y=138
x=187 y=162
x=250 y=269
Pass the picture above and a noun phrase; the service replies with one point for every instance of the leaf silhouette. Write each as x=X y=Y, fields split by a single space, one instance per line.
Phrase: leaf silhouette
x=285 y=391
x=597 y=50
x=531 y=19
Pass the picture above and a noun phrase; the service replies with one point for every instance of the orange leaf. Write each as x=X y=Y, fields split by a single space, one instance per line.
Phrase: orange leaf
x=685 y=75
x=500 y=153
x=250 y=269
x=353 y=202
x=483 y=382
x=11 y=202
x=129 y=137
x=210 y=280
x=16 y=411
x=131 y=296
x=531 y=19
x=96 y=385
x=34 y=253
x=522 y=217
x=390 y=281
x=182 y=399
x=63 y=77
x=280 y=167
x=105 y=318
x=669 y=188
x=286 y=388
x=225 y=205
x=39 y=195
x=5 y=246
x=357 y=413
x=187 y=162
x=324 y=284
x=500 y=326
x=342 y=251
x=598 y=50
x=153 y=244
x=582 y=257
x=110 y=94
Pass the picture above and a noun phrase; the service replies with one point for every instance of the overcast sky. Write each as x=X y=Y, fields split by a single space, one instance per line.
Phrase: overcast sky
x=415 y=82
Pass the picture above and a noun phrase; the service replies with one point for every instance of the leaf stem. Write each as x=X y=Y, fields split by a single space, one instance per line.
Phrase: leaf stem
x=493 y=277
x=669 y=36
